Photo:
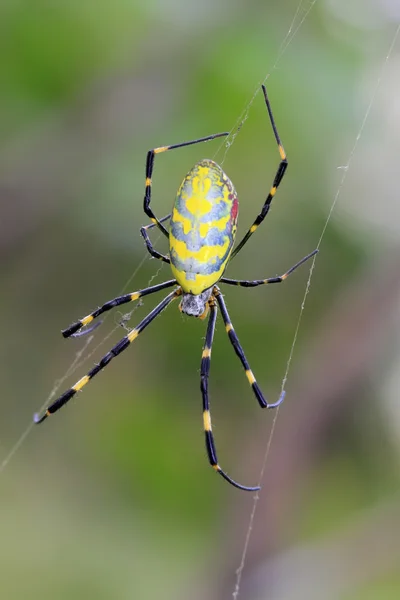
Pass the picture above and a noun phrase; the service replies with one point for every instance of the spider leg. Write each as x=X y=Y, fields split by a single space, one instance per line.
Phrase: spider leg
x=278 y=279
x=149 y=171
x=117 y=349
x=149 y=245
x=168 y=216
x=278 y=178
x=239 y=351
x=204 y=374
x=72 y=329
x=86 y=331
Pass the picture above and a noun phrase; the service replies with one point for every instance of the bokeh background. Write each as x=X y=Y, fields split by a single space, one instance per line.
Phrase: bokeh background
x=113 y=497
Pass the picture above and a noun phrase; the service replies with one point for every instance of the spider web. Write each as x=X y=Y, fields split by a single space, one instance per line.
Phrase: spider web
x=301 y=14
x=81 y=357
x=84 y=354
x=345 y=169
x=289 y=37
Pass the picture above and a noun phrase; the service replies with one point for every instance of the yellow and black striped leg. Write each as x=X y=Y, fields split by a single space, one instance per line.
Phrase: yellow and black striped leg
x=279 y=279
x=278 y=178
x=239 y=351
x=117 y=349
x=204 y=374
x=72 y=329
x=149 y=171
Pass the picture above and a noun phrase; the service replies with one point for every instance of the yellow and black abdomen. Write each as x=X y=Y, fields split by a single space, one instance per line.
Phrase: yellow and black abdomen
x=202 y=227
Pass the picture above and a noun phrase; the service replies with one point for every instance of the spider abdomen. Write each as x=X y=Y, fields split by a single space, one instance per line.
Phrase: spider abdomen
x=202 y=227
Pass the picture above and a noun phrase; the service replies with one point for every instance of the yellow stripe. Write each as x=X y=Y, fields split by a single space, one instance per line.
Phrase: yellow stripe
x=206 y=353
x=282 y=152
x=178 y=218
x=216 y=467
x=204 y=255
x=160 y=149
x=79 y=385
x=228 y=327
x=204 y=228
x=197 y=205
x=135 y=296
x=273 y=191
x=207 y=420
x=250 y=376
x=132 y=335
x=199 y=284
x=220 y=224
x=87 y=320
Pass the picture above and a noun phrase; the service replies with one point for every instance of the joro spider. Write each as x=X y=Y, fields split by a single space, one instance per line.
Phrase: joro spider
x=201 y=236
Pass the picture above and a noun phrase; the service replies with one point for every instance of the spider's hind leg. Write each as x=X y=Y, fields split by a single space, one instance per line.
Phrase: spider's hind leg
x=239 y=351
x=204 y=374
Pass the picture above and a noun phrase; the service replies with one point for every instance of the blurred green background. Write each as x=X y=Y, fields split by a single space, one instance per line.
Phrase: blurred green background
x=113 y=497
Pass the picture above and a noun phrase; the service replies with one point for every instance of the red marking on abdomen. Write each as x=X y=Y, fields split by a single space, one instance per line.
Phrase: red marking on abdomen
x=235 y=210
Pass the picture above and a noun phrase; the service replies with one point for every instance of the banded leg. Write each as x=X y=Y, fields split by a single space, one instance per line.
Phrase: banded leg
x=72 y=329
x=278 y=279
x=239 y=351
x=278 y=178
x=117 y=349
x=204 y=374
x=149 y=171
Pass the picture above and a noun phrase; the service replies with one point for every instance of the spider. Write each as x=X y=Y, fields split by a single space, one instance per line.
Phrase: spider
x=201 y=237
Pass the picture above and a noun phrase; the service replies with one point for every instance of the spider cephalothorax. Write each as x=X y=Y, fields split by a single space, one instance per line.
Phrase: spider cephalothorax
x=201 y=237
x=195 y=305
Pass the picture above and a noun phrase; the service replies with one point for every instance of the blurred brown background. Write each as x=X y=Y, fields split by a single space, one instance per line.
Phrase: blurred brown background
x=113 y=497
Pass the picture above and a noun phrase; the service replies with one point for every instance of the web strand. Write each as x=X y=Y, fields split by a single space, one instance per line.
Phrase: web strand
x=81 y=356
x=288 y=39
x=345 y=168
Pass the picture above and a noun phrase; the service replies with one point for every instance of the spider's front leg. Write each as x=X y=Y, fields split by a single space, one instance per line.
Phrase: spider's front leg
x=277 y=180
x=149 y=173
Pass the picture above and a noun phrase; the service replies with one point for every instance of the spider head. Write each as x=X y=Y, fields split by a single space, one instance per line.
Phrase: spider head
x=195 y=305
